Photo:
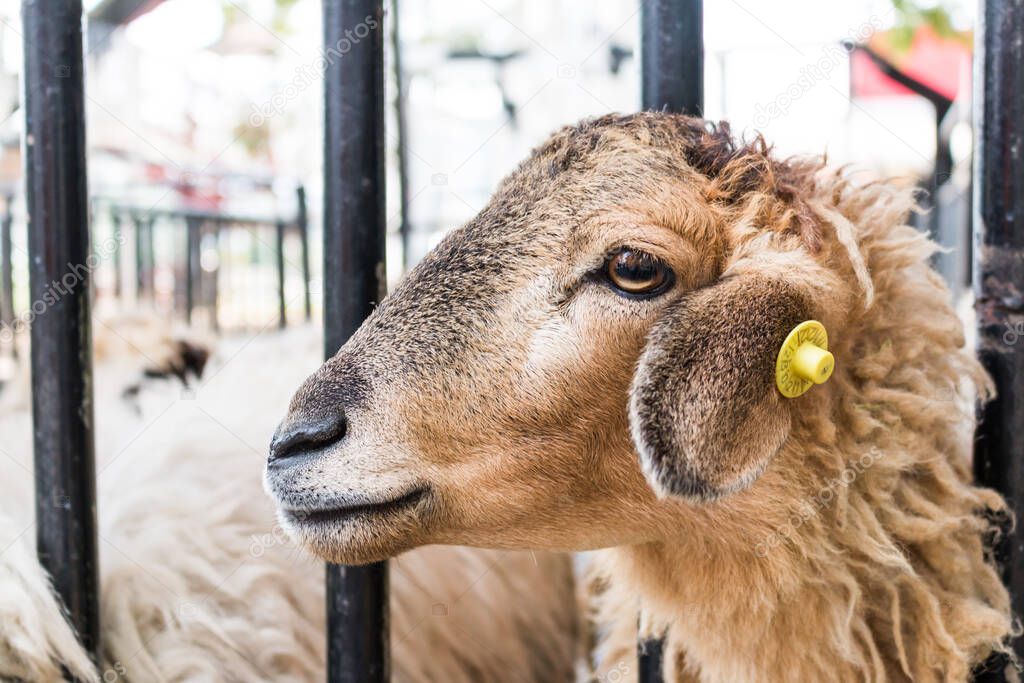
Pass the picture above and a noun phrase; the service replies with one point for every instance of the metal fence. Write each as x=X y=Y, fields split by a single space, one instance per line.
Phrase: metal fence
x=197 y=286
x=998 y=271
x=354 y=237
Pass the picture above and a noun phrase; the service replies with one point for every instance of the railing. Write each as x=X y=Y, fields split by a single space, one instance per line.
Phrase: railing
x=58 y=229
x=7 y=263
x=197 y=287
x=999 y=274
x=354 y=232
x=672 y=79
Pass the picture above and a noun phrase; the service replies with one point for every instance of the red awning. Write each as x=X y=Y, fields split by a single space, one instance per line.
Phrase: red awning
x=944 y=64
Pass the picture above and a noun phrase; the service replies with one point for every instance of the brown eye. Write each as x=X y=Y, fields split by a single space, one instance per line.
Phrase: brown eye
x=637 y=273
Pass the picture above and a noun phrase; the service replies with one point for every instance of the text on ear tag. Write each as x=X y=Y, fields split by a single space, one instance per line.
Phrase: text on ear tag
x=803 y=359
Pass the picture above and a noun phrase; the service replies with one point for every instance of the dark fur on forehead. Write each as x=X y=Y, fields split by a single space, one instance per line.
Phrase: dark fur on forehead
x=736 y=170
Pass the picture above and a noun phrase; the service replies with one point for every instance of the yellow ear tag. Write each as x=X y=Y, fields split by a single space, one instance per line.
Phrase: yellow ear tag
x=804 y=359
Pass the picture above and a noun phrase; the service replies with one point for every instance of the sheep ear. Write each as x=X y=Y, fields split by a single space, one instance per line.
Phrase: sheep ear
x=705 y=414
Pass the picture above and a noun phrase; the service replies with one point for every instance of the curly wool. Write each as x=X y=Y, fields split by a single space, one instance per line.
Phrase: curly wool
x=861 y=553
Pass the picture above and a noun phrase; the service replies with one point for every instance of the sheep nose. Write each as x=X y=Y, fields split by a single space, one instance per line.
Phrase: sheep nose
x=299 y=437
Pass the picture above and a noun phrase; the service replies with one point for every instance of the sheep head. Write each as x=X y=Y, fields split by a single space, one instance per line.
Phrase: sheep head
x=587 y=360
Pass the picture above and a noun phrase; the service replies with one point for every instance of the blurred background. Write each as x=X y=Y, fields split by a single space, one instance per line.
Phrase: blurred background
x=204 y=125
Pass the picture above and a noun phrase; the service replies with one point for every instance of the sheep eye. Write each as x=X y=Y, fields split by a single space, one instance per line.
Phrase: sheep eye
x=637 y=273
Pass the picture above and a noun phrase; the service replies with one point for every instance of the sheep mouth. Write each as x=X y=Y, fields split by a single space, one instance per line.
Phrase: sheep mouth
x=348 y=513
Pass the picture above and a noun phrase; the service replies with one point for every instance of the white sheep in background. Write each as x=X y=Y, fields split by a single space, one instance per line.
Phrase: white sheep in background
x=199 y=584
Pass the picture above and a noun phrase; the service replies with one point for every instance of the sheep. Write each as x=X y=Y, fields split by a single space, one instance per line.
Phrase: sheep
x=198 y=584
x=589 y=363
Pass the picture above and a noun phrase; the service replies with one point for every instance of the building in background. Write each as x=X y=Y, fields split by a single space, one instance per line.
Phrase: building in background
x=215 y=105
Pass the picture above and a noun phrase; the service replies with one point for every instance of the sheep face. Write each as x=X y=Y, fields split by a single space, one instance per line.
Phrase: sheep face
x=588 y=357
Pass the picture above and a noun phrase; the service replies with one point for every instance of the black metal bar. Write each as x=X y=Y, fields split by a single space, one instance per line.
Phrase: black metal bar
x=213 y=297
x=651 y=655
x=7 y=265
x=302 y=221
x=181 y=214
x=353 y=276
x=150 y=275
x=999 y=270
x=282 y=313
x=948 y=226
x=193 y=226
x=672 y=55
x=60 y=266
x=402 y=132
x=140 y=256
x=672 y=79
x=115 y=219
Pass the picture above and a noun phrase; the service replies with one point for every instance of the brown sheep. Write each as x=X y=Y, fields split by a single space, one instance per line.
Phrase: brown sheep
x=589 y=363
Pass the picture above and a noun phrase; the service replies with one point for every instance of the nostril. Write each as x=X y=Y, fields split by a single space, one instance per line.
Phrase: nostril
x=301 y=438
